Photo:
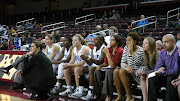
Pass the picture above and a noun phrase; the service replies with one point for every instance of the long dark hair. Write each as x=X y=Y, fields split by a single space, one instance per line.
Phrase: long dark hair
x=118 y=40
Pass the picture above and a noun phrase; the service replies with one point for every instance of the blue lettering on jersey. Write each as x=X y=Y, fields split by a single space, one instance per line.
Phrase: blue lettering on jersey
x=78 y=59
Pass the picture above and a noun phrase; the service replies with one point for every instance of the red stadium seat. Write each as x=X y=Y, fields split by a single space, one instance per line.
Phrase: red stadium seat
x=149 y=30
x=158 y=30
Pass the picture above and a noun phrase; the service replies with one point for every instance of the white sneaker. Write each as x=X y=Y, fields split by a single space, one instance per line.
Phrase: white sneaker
x=77 y=94
x=61 y=99
x=65 y=93
x=55 y=90
x=89 y=96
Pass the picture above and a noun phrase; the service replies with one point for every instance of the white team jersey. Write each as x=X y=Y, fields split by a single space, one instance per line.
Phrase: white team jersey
x=97 y=54
x=107 y=40
x=66 y=53
x=78 y=54
x=50 y=52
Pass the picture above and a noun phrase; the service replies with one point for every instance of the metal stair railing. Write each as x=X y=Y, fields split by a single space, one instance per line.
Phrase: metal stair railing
x=85 y=19
x=171 y=16
x=24 y=21
x=53 y=25
x=149 y=23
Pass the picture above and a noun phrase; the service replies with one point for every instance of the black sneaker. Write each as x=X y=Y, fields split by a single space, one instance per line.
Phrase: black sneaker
x=37 y=97
x=4 y=70
x=50 y=96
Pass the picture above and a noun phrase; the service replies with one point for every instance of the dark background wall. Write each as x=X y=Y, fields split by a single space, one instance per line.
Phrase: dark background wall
x=12 y=11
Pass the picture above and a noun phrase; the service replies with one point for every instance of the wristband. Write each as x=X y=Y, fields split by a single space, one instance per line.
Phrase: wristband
x=129 y=55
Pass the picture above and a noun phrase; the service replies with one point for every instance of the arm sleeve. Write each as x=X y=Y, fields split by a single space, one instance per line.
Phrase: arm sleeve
x=124 y=57
x=174 y=70
x=137 y=60
x=146 y=21
x=160 y=62
x=19 y=41
x=105 y=59
x=87 y=38
x=29 y=63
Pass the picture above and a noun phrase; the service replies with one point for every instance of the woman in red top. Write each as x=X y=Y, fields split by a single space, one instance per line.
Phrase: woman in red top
x=112 y=60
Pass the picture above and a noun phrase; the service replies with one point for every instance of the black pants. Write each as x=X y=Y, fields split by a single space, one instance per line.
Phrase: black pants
x=156 y=82
x=107 y=77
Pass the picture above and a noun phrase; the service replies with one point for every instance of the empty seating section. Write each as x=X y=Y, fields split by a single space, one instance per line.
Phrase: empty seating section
x=121 y=24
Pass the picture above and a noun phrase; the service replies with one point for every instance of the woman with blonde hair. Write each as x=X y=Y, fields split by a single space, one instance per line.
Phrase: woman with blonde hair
x=151 y=55
x=80 y=48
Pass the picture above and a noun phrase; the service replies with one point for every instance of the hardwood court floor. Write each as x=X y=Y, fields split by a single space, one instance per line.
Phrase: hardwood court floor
x=7 y=94
x=19 y=95
x=5 y=97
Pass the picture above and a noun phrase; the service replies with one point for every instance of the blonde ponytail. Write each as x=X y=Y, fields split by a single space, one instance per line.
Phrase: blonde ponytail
x=83 y=41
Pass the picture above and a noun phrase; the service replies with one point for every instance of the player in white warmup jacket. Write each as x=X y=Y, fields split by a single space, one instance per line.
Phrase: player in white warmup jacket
x=52 y=50
x=80 y=48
